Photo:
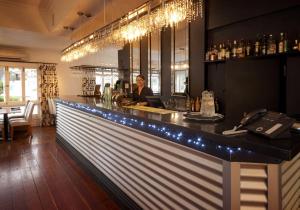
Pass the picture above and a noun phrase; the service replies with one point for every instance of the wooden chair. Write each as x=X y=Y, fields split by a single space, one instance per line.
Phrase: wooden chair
x=52 y=106
x=17 y=115
x=22 y=122
x=2 y=129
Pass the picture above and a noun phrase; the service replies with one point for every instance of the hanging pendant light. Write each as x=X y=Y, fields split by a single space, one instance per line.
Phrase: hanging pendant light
x=137 y=24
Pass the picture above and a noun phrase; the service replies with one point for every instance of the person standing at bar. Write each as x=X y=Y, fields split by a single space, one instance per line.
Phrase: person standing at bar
x=140 y=93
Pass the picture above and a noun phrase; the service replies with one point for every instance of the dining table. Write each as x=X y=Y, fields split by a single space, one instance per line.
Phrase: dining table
x=5 y=111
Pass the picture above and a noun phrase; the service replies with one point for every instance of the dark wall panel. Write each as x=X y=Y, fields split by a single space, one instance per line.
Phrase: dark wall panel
x=124 y=62
x=196 y=62
x=222 y=12
x=166 y=62
x=144 y=58
x=251 y=84
x=216 y=83
x=124 y=58
x=284 y=21
x=293 y=86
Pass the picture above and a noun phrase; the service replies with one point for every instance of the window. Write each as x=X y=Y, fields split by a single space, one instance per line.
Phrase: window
x=104 y=76
x=180 y=57
x=15 y=84
x=22 y=85
x=31 y=84
x=154 y=70
x=180 y=77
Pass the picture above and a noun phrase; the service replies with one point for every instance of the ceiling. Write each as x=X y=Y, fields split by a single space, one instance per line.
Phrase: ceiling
x=25 y=2
x=40 y=23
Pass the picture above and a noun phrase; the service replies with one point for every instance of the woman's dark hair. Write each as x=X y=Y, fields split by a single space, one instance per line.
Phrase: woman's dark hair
x=141 y=76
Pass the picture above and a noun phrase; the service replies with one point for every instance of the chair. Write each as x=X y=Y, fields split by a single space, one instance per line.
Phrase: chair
x=22 y=122
x=2 y=129
x=52 y=106
x=11 y=116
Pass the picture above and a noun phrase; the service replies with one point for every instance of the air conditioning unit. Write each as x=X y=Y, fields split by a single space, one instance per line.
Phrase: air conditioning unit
x=12 y=54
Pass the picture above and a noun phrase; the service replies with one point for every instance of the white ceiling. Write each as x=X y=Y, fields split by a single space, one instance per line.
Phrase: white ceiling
x=40 y=23
x=24 y=2
x=28 y=39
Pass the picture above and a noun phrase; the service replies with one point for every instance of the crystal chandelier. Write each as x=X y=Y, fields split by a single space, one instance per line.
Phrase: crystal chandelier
x=134 y=26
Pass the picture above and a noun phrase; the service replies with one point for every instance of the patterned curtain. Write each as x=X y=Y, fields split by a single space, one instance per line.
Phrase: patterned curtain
x=49 y=89
x=89 y=82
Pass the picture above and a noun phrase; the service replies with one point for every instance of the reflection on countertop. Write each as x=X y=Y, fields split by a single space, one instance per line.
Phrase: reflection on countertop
x=280 y=149
x=175 y=118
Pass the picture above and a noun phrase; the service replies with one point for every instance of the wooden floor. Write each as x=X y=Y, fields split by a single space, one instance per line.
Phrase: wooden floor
x=39 y=174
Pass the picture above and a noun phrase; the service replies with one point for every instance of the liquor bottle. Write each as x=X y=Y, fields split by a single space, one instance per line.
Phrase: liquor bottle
x=285 y=43
x=234 y=49
x=238 y=49
x=248 y=48
x=211 y=52
x=188 y=103
x=215 y=50
x=241 y=49
x=223 y=52
x=207 y=54
x=264 y=45
x=220 y=52
x=296 y=46
x=281 y=43
x=243 y=46
x=192 y=105
x=257 y=47
x=227 y=50
x=271 y=45
x=197 y=105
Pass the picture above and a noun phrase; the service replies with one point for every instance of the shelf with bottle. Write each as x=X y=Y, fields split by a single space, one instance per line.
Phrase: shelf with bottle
x=194 y=104
x=264 y=47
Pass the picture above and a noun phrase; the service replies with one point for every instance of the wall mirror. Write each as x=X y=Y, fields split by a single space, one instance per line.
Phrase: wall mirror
x=154 y=64
x=135 y=61
x=180 y=58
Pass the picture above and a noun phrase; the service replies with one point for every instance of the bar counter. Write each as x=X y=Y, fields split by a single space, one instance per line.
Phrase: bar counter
x=163 y=161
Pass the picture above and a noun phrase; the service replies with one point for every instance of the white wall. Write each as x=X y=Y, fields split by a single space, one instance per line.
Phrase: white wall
x=68 y=83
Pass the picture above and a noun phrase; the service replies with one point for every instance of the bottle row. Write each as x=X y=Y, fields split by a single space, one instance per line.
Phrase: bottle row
x=263 y=45
x=194 y=104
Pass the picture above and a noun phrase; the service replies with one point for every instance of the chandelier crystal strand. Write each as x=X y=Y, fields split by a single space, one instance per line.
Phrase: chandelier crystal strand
x=168 y=14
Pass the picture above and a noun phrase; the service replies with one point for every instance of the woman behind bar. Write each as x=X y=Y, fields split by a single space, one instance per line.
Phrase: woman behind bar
x=140 y=93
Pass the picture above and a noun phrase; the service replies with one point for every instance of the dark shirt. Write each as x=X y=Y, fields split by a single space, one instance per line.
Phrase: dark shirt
x=142 y=97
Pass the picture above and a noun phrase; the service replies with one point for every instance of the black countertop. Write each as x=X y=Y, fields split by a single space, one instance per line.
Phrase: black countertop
x=205 y=137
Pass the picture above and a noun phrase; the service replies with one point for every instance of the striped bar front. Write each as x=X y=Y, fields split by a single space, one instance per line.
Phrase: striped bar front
x=154 y=172
x=290 y=180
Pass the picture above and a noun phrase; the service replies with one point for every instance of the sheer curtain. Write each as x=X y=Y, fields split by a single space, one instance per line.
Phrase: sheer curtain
x=49 y=89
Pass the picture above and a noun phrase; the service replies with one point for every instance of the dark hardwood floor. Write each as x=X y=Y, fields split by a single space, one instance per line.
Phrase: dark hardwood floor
x=39 y=174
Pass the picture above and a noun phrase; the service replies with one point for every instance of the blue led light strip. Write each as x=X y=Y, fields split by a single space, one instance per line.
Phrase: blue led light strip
x=195 y=142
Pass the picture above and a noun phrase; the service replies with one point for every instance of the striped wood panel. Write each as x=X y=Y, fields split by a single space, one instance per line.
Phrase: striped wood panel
x=154 y=172
x=253 y=186
x=290 y=180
